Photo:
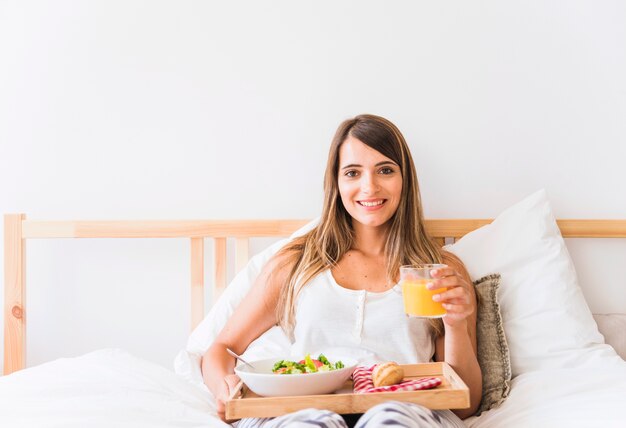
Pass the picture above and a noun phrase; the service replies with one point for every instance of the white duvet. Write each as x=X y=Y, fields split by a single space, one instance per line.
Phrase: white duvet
x=111 y=388
x=106 y=388
x=584 y=397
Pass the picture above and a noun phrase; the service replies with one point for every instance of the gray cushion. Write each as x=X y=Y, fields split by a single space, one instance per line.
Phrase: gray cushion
x=493 y=351
x=613 y=328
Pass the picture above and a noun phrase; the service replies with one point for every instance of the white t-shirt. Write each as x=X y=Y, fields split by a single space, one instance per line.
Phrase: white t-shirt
x=371 y=327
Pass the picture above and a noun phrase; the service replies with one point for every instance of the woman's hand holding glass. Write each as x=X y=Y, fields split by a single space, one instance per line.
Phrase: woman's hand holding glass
x=453 y=292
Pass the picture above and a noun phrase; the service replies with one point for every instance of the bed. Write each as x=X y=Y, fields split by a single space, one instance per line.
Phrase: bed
x=565 y=366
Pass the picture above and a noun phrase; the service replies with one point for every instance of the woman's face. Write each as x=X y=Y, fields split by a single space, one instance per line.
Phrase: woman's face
x=370 y=184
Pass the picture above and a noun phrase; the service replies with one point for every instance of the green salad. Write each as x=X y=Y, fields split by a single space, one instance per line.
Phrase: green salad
x=308 y=365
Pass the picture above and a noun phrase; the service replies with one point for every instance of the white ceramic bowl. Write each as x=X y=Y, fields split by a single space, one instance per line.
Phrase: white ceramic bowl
x=262 y=381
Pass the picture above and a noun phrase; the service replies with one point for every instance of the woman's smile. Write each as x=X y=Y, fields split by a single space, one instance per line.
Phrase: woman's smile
x=372 y=204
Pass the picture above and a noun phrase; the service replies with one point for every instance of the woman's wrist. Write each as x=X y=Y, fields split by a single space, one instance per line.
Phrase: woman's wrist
x=215 y=369
x=458 y=327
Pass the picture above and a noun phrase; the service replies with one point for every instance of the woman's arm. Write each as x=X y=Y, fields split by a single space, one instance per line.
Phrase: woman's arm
x=255 y=315
x=457 y=346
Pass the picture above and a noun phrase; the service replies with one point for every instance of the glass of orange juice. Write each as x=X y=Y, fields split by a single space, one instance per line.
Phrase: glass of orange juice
x=418 y=300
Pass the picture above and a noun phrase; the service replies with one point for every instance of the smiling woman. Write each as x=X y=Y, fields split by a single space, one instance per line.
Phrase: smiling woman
x=333 y=290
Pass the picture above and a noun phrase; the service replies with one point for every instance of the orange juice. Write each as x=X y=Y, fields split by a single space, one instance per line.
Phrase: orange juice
x=418 y=300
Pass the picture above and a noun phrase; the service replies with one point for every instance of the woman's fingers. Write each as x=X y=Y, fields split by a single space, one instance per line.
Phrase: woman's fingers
x=447 y=281
x=220 y=409
x=231 y=382
x=457 y=308
x=455 y=293
x=462 y=302
x=443 y=272
x=450 y=281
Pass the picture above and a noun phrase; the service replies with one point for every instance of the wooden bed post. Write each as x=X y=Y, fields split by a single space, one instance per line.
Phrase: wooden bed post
x=242 y=253
x=219 y=267
x=197 y=281
x=14 y=294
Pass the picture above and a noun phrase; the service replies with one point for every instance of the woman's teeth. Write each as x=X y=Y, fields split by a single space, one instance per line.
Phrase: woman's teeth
x=371 y=204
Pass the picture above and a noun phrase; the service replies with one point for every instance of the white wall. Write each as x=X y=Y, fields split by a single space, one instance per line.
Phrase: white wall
x=168 y=110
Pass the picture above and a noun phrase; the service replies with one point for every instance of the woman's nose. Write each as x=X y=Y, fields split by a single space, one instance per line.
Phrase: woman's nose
x=369 y=184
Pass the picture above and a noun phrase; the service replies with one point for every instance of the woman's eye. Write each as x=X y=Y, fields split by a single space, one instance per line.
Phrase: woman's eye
x=351 y=173
x=386 y=170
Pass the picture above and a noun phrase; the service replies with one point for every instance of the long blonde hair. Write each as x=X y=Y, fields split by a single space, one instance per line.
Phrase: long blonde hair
x=407 y=241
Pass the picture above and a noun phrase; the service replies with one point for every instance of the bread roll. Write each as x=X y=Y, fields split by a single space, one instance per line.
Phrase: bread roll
x=386 y=374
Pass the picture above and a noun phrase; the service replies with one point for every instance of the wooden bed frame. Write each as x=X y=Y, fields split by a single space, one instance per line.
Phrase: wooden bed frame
x=17 y=230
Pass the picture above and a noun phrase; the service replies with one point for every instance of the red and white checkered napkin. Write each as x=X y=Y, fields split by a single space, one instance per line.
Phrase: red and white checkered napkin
x=362 y=379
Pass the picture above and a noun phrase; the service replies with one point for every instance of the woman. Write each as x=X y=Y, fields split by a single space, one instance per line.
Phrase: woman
x=333 y=288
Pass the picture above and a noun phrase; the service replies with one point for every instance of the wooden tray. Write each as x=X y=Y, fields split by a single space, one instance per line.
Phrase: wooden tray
x=451 y=394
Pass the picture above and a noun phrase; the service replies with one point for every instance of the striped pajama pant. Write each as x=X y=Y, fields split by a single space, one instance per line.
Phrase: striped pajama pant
x=392 y=414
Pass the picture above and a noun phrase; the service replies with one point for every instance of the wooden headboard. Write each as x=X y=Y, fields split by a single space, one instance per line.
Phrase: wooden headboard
x=17 y=230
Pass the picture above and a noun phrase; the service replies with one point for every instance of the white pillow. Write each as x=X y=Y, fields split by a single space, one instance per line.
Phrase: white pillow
x=270 y=344
x=546 y=319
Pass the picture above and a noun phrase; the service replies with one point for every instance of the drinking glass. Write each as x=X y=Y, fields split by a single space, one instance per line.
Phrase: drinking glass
x=418 y=300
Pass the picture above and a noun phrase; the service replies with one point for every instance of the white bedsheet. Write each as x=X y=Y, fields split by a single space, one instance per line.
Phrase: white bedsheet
x=569 y=398
x=106 y=388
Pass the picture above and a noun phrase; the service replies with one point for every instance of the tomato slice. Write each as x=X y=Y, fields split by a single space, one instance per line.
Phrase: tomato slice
x=317 y=363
